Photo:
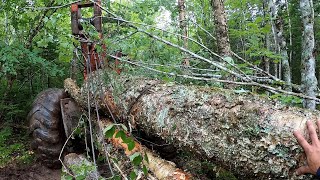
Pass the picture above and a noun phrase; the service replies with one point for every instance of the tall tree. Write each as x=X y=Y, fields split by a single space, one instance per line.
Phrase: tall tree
x=297 y=30
x=273 y=12
x=221 y=27
x=277 y=26
x=183 y=27
x=290 y=30
x=308 y=74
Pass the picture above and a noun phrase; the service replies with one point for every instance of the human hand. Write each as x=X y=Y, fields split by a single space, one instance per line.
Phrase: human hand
x=312 y=150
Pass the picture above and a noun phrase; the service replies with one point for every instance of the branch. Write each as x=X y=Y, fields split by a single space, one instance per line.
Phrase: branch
x=40 y=25
x=52 y=7
x=269 y=88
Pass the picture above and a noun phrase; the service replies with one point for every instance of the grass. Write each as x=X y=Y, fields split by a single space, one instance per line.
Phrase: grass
x=14 y=147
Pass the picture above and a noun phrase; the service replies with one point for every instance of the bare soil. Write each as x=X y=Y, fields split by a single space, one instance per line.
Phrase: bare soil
x=34 y=171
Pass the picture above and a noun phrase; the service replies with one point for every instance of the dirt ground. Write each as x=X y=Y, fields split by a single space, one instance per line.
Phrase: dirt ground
x=34 y=171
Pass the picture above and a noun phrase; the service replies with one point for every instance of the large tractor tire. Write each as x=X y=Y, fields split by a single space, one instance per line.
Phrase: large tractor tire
x=46 y=127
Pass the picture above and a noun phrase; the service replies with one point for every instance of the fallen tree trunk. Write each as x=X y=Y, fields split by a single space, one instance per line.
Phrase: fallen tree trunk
x=248 y=134
x=161 y=169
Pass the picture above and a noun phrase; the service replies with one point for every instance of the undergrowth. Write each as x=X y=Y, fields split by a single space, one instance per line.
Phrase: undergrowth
x=14 y=147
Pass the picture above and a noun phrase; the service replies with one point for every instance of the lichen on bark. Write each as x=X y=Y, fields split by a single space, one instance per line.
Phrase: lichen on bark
x=246 y=133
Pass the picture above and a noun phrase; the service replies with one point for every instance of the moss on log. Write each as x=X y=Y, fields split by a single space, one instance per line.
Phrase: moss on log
x=248 y=134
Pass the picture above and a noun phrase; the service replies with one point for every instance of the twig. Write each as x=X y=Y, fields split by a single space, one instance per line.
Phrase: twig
x=204 y=30
x=63 y=147
x=126 y=37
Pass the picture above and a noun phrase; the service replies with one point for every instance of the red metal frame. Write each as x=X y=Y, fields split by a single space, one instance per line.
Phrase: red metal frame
x=88 y=48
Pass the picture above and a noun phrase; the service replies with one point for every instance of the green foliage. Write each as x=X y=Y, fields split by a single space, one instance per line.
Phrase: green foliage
x=81 y=171
x=250 y=25
x=32 y=62
x=136 y=158
x=109 y=131
x=23 y=74
x=15 y=58
x=133 y=175
x=12 y=149
x=287 y=99
x=297 y=39
x=34 y=46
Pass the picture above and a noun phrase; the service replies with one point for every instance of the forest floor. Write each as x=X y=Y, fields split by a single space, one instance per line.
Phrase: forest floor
x=34 y=171
x=17 y=161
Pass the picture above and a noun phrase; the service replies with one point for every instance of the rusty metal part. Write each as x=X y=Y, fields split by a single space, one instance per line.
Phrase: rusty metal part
x=70 y=115
x=92 y=59
x=76 y=16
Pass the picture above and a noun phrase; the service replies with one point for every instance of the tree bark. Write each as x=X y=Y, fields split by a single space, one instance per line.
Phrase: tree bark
x=221 y=26
x=246 y=133
x=308 y=74
x=183 y=27
x=160 y=168
x=290 y=30
x=281 y=45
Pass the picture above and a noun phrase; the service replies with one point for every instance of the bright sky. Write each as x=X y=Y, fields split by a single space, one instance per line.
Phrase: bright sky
x=163 y=21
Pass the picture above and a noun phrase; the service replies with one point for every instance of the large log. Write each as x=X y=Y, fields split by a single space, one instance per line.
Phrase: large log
x=248 y=134
x=161 y=169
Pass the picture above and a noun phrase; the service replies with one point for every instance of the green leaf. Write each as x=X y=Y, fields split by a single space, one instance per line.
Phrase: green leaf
x=124 y=127
x=131 y=144
x=146 y=158
x=67 y=177
x=109 y=131
x=81 y=177
x=136 y=158
x=116 y=177
x=121 y=134
x=108 y=4
x=228 y=59
x=145 y=170
x=133 y=175
x=108 y=128
x=126 y=139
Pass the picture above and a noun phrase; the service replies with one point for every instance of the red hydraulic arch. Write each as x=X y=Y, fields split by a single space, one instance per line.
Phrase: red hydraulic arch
x=92 y=60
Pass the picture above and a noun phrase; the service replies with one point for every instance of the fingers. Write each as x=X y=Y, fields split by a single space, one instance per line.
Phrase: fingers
x=305 y=145
x=303 y=170
x=318 y=124
x=312 y=133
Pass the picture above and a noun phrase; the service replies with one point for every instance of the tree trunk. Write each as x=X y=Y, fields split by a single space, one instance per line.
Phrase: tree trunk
x=246 y=133
x=160 y=168
x=221 y=26
x=308 y=74
x=183 y=27
x=266 y=60
x=290 y=30
x=285 y=66
x=277 y=26
x=276 y=47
